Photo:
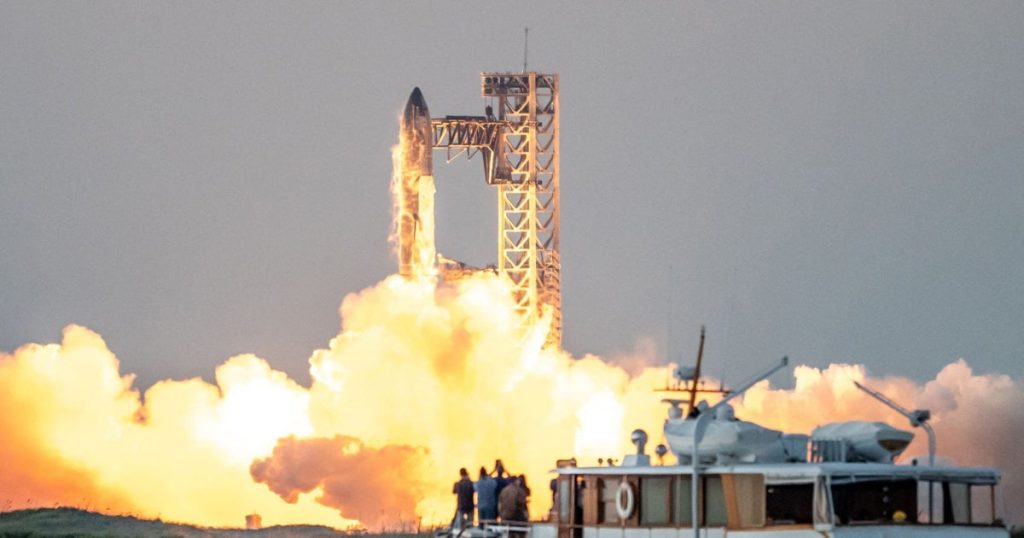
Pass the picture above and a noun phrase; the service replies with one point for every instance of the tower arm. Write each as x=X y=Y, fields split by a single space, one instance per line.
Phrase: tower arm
x=469 y=135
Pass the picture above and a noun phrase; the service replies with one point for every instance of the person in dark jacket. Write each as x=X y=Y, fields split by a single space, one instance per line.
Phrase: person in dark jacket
x=463 y=490
x=499 y=477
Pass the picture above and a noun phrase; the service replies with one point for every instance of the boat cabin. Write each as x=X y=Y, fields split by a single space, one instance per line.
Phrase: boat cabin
x=747 y=499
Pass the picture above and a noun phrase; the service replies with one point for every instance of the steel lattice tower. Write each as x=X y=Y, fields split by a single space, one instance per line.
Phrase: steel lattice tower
x=519 y=146
x=526 y=162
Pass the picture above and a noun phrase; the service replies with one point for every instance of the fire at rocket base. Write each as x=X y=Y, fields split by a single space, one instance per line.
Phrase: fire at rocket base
x=415 y=191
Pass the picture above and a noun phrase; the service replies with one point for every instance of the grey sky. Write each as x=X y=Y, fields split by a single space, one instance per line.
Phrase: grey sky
x=832 y=181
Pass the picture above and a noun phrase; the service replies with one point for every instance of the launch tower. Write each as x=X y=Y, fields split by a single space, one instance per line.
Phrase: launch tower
x=527 y=180
x=518 y=141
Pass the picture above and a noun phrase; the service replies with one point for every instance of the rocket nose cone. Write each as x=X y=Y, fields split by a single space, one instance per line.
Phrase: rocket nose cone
x=416 y=98
x=416 y=105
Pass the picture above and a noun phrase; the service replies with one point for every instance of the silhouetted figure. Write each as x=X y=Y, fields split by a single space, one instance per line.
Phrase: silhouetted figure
x=463 y=490
x=554 y=493
x=499 y=477
x=526 y=497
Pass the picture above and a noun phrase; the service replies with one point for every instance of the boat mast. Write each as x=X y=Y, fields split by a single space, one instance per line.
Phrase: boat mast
x=696 y=374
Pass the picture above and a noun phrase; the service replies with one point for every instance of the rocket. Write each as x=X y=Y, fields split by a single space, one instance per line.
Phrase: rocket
x=416 y=250
x=420 y=134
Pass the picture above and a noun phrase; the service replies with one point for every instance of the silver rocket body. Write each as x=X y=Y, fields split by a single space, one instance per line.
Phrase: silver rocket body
x=416 y=204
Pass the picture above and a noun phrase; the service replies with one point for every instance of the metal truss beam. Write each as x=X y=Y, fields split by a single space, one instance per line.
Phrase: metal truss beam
x=470 y=135
x=528 y=201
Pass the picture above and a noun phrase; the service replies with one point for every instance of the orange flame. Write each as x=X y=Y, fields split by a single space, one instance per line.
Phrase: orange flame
x=412 y=212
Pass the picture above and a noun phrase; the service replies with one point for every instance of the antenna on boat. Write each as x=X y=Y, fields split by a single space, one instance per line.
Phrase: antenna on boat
x=919 y=419
x=687 y=380
x=696 y=372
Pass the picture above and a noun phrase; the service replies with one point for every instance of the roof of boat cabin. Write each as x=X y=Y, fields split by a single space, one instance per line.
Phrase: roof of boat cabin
x=803 y=472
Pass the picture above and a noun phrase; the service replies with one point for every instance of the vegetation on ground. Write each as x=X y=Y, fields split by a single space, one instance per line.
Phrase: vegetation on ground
x=68 y=522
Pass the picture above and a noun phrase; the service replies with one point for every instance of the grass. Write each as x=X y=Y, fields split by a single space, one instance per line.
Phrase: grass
x=72 y=522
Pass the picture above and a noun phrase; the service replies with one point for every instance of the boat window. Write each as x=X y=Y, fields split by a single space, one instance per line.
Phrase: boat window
x=982 y=508
x=748 y=490
x=873 y=502
x=564 y=499
x=956 y=504
x=715 y=514
x=789 y=504
x=606 y=508
x=681 y=495
x=654 y=500
x=923 y=501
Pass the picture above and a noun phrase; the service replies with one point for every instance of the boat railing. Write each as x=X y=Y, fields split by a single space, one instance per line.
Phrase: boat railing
x=829 y=450
x=507 y=528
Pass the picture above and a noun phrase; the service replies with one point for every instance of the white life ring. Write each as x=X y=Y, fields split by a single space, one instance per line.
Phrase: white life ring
x=625 y=500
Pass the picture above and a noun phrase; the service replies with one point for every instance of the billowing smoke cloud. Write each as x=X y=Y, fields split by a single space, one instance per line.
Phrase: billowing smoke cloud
x=31 y=473
x=372 y=485
x=444 y=369
x=75 y=433
x=438 y=369
x=420 y=381
x=980 y=421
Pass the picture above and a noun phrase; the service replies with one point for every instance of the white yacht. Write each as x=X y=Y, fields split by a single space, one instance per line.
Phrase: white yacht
x=791 y=497
x=736 y=479
x=841 y=481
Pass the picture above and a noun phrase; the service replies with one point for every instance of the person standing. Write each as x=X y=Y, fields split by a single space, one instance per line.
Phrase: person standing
x=554 y=495
x=524 y=498
x=463 y=490
x=486 y=498
x=512 y=502
x=499 y=477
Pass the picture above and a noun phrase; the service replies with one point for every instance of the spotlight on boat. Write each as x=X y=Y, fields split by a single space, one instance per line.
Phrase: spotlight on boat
x=639 y=439
x=661 y=450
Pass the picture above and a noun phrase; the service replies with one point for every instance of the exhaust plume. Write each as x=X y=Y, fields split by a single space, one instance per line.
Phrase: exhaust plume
x=370 y=485
x=421 y=381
